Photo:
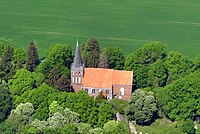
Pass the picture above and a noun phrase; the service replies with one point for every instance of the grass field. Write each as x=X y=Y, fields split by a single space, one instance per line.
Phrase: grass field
x=124 y=23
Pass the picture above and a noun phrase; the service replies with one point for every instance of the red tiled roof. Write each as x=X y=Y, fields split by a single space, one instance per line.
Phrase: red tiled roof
x=105 y=78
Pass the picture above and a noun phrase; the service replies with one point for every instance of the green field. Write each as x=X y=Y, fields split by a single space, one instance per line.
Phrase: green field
x=124 y=23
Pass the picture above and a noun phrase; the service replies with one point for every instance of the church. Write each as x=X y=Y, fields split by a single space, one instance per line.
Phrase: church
x=112 y=83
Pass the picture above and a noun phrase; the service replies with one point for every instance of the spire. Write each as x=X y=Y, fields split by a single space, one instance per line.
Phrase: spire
x=77 y=58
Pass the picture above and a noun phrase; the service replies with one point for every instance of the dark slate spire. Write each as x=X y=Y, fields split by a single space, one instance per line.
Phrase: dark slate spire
x=77 y=58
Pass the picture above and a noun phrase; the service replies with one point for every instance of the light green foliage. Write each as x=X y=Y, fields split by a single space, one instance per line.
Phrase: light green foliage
x=116 y=58
x=142 y=107
x=19 y=58
x=160 y=126
x=104 y=113
x=115 y=127
x=83 y=128
x=197 y=61
x=40 y=125
x=96 y=131
x=178 y=66
x=180 y=100
x=21 y=82
x=54 y=107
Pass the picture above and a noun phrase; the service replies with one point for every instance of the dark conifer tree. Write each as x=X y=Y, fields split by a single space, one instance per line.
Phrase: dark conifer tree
x=32 y=59
x=103 y=60
x=6 y=68
x=63 y=84
x=53 y=77
x=91 y=53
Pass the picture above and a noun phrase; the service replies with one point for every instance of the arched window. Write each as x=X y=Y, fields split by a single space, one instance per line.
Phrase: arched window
x=122 y=90
x=107 y=91
x=86 y=90
x=93 y=91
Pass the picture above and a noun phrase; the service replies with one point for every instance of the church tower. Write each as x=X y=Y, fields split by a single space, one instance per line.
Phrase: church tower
x=77 y=70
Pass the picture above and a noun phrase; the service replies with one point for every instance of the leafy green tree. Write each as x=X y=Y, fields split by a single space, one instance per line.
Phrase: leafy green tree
x=104 y=113
x=32 y=58
x=180 y=99
x=6 y=102
x=58 y=56
x=140 y=60
x=178 y=66
x=19 y=58
x=91 y=53
x=116 y=58
x=6 y=66
x=103 y=60
x=142 y=107
x=157 y=74
x=187 y=126
x=114 y=127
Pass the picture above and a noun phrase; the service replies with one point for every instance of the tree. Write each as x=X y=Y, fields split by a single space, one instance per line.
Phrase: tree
x=116 y=58
x=178 y=66
x=142 y=107
x=114 y=127
x=157 y=74
x=90 y=53
x=32 y=58
x=19 y=58
x=103 y=60
x=6 y=66
x=139 y=62
x=6 y=102
x=104 y=113
x=58 y=56
x=63 y=84
x=53 y=77
x=187 y=126
x=180 y=99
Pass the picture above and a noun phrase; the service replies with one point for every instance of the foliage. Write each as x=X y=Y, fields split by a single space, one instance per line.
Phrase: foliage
x=187 y=126
x=178 y=66
x=139 y=63
x=63 y=84
x=91 y=53
x=180 y=100
x=103 y=60
x=120 y=106
x=6 y=102
x=104 y=113
x=142 y=107
x=32 y=58
x=116 y=58
x=114 y=127
x=19 y=58
x=160 y=126
x=6 y=66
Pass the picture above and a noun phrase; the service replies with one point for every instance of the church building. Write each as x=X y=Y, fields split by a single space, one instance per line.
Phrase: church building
x=113 y=83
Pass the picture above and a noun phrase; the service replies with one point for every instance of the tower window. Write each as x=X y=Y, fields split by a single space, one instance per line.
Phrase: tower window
x=93 y=91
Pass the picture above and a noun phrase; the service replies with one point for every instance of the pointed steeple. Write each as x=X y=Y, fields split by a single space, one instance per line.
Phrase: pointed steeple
x=77 y=58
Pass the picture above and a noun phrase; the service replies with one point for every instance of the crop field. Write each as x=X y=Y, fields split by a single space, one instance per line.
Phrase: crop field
x=128 y=24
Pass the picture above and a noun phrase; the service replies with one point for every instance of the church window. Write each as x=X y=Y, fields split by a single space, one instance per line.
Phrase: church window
x=79 y=73
x=72 y=79
x=93 y=91
x=86 y=90
x=122 y=90
x=76 y=80
x=107 y=91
